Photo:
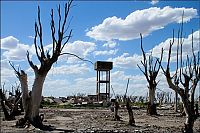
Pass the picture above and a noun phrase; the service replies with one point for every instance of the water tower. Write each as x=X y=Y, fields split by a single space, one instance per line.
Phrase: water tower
x=103 y=80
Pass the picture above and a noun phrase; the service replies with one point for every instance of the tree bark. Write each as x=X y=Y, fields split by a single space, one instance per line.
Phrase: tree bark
x=151 y=107
x=31 y=101
x=190 y=116
x=130 y=113
x=7 y=115
x=176 y=102
x=36 y=96
x=116 y=108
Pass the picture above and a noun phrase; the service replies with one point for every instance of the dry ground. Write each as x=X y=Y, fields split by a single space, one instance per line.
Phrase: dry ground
x=100 y=120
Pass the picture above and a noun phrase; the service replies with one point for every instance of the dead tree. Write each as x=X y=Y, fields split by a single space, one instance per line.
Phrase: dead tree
x=128 y=107
x=189 y=75
x=160 y=97
x=10 y=106
x=31 y=101
x=115 y=106
x=115 y=109
x=7 y=115
x=151 y=69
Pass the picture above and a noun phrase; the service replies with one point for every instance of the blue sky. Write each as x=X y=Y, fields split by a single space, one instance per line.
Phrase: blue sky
x=101 y=31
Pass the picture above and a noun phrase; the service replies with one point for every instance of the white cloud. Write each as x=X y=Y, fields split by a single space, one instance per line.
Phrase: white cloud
x=141 y=21
x=187 y=47
x=153 y=2
x=7 y=73
x=9 y=42
x=69 y=69
x=106 y=52
x=126 y=60
x=13 y=50
x=56 y=87
x=80 y=48
x=18 y=53
x=110 y=44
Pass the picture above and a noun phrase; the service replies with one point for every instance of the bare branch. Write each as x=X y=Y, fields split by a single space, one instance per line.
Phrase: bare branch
x=69 y=36
x=35 y=42
x=170 y=50
x=34 y=67
x=40 y=34
x=59 y=16
x=77 y=57
x=53 y=31
x=12 y=65
x=126 y=88
x=67 y=9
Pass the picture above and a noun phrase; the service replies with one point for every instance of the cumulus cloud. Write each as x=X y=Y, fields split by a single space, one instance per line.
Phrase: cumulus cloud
x=9 y=42
x=18 y=53
x=187 y=47
x=141 y=21
x=126 y=60
x=106 y=52
x=6 y=72
x=56 y=87
x=80 y=48
x=69 y=69
x=13 y=50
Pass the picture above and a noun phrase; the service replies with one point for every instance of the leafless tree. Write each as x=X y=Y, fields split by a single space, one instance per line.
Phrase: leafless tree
x=151 y=68
x=31 y=101
x=160 y=97
x=128 y=107
x=115 y=106
x=11 y=105
x=188 y=73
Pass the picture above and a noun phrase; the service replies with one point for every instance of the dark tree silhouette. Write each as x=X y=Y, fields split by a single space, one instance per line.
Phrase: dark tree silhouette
x=189 y=74
x=31 y=101
x=151 y=69
x=128 y=107
x=11 y=106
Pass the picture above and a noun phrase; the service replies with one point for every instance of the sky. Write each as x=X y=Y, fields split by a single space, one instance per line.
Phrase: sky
x=101 y=31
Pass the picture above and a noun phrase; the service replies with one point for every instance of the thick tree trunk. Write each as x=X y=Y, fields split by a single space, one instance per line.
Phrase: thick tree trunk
x=130 y=113
x=189 y=123
x=176 y=102
x=151 y=107
x=7 y=116
x=190 y=116
x=3 y=105
x=31 y=101
x=36 y=95
x=25 y=96
x=116 y=108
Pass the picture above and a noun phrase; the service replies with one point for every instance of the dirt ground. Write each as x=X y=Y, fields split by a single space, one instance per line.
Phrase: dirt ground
x=101 y=120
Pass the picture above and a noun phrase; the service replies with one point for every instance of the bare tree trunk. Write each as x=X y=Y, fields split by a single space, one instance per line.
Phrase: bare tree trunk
x=176 y=102
x=25 y=96
x=36 y=97
x=31 y=101
x=151 y=107
x=130 y=112
x=116 y=108
x=8 y=116
x=190 y=117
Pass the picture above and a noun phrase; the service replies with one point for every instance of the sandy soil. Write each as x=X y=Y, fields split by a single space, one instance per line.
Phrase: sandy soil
x=101 y=120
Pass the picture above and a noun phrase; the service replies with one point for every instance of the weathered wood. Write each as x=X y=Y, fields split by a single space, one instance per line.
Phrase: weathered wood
x=191 y=74
x=151 y=69
x=130 y=112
